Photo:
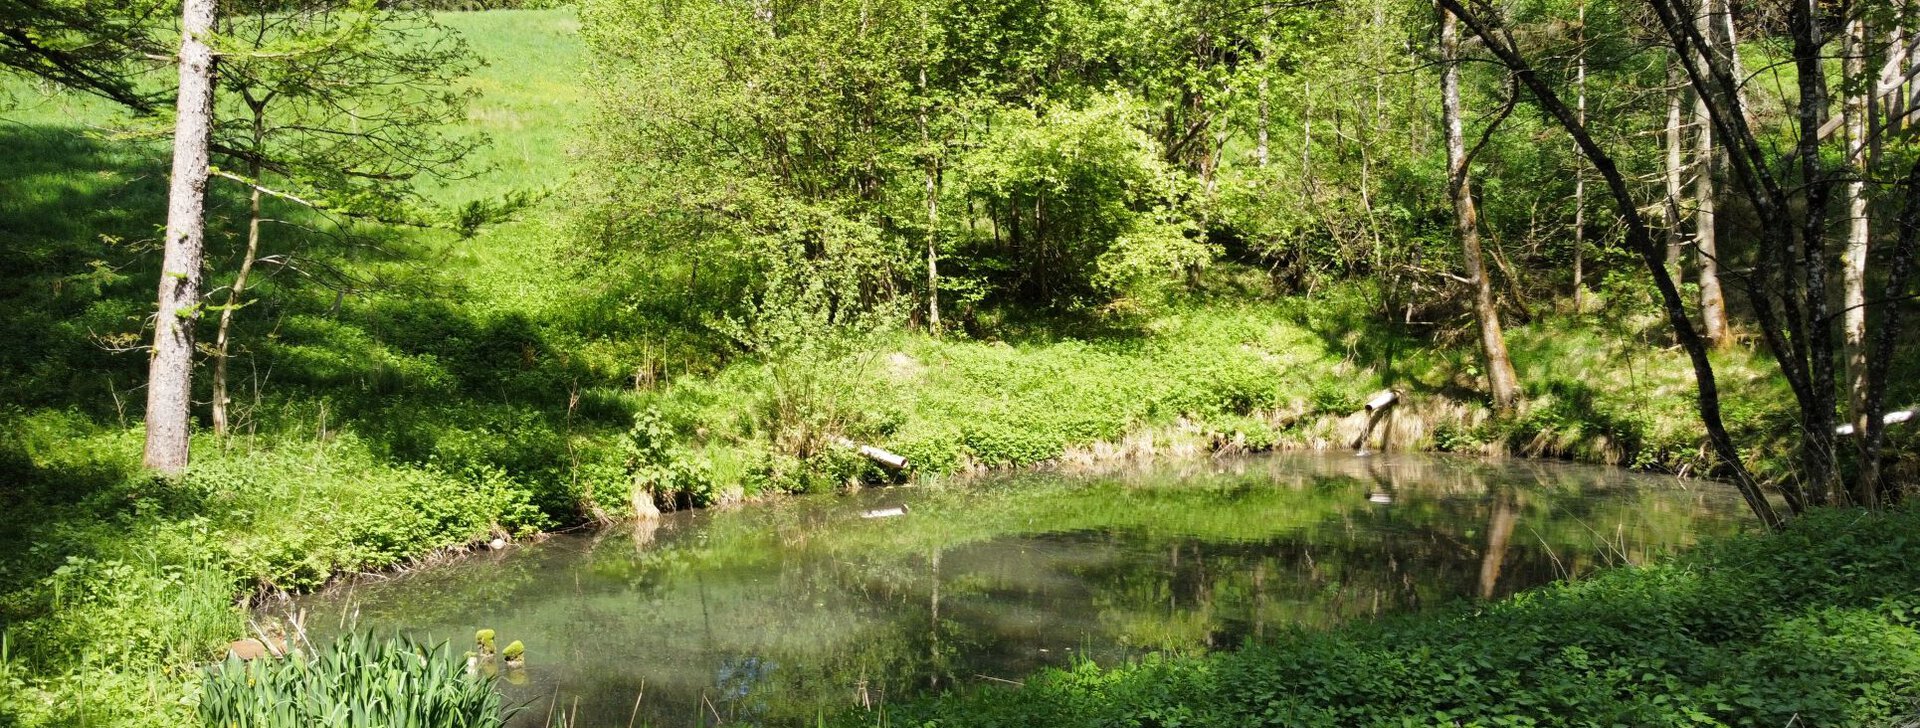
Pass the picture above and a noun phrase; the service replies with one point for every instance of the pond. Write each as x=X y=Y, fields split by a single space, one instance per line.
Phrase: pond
x=773 y=613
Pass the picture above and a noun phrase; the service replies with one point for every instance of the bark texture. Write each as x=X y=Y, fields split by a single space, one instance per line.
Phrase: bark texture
x=1713 y=302
x=1853 y=263
x=170 y=373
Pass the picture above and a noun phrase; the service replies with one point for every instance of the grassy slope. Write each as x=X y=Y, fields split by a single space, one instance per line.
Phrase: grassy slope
x=110 y=583
x=470 y=387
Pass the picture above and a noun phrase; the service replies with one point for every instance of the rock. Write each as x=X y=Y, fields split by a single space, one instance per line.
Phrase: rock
x=497 y=544
x=252 y=649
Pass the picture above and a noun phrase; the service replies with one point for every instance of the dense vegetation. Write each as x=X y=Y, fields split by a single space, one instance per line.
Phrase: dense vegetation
x=568 y=264
x=1780 y=630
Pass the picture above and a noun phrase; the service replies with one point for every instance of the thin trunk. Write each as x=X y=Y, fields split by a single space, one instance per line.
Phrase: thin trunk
x=933 y=250
x=223 y=337
x=1818 y=413
x=1306 y=138
x=170 y=373
x=1675 y=90
x=1265 y=70
x=1900 y=268
x=1854 y=262
x=1579 y=174
x=933 y=207
x=1896 y=63
x=1713 y=303
x=1260 y=145
x=1503 y=383
x=1723 y=11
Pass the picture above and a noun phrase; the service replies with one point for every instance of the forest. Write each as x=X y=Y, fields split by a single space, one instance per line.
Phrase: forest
x=296 y=292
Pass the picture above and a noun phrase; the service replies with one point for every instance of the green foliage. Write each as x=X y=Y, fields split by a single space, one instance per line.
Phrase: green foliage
x=1813 y=625
x=1084 y=192
x=734 y=263
x=658 y=466
x=348 y=105
x=357 y=681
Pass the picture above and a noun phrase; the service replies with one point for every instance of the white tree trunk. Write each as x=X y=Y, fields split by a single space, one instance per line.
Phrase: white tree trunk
x=170 y=374
x=933 y=250
x=1675 y=140
x=1579 y=172
x=1713 y=303
x=1854 y=261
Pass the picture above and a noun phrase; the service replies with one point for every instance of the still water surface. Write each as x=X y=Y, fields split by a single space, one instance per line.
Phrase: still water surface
x=772 y=613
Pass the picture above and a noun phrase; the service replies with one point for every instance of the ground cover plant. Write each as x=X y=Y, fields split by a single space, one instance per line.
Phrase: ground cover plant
x=1816 y=625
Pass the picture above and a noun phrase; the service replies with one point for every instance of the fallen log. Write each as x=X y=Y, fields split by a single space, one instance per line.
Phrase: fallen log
x=1890 y=418
x=886 y=459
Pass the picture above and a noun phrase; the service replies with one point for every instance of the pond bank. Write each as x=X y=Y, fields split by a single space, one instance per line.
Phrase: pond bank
x=1815 y=625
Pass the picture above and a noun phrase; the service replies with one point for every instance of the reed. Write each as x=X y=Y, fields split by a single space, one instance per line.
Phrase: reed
x=358 y=681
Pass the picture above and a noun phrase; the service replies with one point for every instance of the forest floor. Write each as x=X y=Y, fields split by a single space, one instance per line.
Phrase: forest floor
x=406 y=392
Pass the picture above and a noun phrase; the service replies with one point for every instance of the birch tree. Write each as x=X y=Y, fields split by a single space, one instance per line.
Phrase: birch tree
x=1857 y=114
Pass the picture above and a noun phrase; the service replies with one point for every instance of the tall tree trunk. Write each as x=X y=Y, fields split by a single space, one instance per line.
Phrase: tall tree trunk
x=1579 y=173
x=1854 y=262
x=1713 y=303
x=170 y=373
x=1503 y=384
x=1818 y=414
x=1897 y=55
x=1675 y=140
x=1870 y=487
x=1306 y=139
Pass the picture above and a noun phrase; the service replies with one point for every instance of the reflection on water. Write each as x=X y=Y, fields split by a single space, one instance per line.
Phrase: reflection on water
x=772 y=613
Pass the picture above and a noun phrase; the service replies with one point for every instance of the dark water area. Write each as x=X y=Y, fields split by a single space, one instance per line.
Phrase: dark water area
x=773 y=613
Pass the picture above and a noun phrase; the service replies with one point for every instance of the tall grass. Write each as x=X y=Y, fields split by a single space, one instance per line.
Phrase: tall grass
x=357 y=682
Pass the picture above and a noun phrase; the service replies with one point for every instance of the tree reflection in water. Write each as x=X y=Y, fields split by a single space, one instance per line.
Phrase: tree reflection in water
x=771 y=613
